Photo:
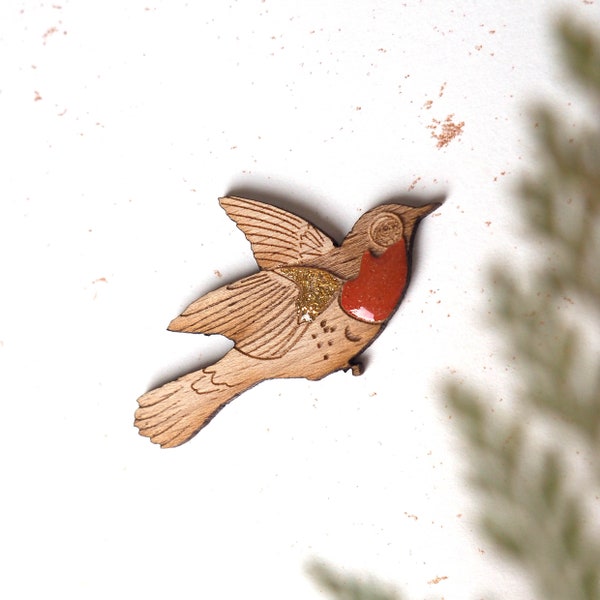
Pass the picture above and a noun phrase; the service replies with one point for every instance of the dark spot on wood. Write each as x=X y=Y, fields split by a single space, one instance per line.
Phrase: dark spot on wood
x=350 y=336
x=326 y=357
x=330 y=343
x=323 y=322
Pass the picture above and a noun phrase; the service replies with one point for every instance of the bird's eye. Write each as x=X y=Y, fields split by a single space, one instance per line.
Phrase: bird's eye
x=386 y=230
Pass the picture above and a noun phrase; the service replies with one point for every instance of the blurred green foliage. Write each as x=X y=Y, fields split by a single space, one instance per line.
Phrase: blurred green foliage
x=536 y=465
x=345 y=587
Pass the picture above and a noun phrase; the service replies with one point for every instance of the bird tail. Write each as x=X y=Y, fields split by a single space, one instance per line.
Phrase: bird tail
x=173 y=413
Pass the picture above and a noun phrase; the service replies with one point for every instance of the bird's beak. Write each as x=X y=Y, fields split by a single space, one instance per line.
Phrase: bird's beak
x=419 y=212
x=424 y=210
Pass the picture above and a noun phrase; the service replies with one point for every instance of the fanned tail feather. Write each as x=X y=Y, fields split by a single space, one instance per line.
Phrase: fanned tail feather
x=173 y=413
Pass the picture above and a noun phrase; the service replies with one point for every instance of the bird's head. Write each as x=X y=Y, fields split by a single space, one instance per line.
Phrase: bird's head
x=382 y=227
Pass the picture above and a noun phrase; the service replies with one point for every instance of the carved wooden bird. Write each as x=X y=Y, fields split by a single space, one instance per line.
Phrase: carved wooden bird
x=311 y=309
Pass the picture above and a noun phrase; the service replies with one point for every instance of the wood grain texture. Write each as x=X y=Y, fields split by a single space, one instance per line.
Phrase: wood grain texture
x=309 y=311
x=277 y=236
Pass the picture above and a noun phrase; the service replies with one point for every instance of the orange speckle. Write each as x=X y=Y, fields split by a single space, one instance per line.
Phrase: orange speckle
x=411 y=187
x=445 y=131
x=48 y=33
x=437 y=580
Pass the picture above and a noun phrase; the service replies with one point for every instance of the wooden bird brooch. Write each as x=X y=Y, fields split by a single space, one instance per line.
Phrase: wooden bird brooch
x=311 y=309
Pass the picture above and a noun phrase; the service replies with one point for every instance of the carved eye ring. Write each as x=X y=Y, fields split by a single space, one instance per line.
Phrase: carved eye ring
x=386 y=230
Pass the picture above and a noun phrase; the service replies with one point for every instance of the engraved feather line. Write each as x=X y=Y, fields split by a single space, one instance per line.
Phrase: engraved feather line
x=250 y=210
x=256 y=219
x=215 y=324
x=252 y=286
x=229 y=322
x=279 y=326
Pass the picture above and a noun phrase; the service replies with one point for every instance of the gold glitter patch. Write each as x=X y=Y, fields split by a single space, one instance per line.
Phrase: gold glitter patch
x=317 y=288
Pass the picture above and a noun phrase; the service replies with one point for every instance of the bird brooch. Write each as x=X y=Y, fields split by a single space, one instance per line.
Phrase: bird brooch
x=309 y=311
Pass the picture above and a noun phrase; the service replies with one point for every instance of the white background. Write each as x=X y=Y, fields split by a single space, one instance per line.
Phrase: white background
x=120 y=125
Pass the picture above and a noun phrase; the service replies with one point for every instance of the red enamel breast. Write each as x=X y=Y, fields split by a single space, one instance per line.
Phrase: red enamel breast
x=375 y=293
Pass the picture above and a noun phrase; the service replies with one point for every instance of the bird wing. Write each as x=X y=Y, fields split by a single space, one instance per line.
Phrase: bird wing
x=277 y=236
x=259 y=313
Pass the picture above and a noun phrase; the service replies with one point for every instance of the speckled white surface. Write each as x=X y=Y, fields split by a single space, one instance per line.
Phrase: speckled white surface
x=121 y=123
